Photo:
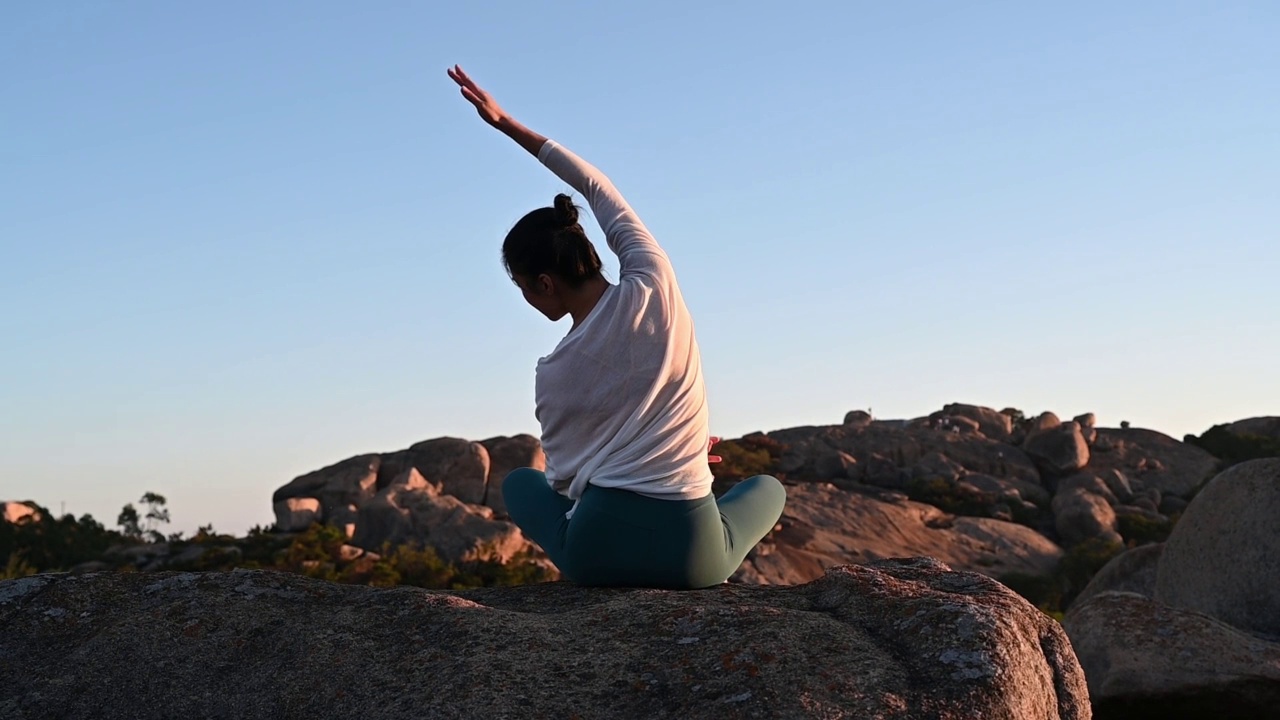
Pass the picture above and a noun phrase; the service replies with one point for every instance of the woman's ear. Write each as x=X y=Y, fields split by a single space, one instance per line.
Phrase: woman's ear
x=545 y=285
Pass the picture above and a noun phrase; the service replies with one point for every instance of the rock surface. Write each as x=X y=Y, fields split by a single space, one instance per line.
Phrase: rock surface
x=413 y=511
x=1155 y=459
x=296 y=514
x=507 y=454
x=903 y=447
x=1131 y=571
x=891 y=640
x=1200 y=634
x=1059 y=450
x=991 y=423
x=1144 y=659
x=824 y=526
x=457 y=467
x=1080 y=515
x=1268 y=427
x=1223 y=557
x=349 y=482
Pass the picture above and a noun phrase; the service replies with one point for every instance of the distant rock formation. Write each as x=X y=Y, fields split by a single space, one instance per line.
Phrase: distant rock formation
x=18 y=512
x=892 y=639
x=443 y=493
x=1192 y=628
x=1012 y=491
x=1267 y=427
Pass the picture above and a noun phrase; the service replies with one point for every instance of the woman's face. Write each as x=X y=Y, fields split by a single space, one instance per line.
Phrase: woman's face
x=543 y=295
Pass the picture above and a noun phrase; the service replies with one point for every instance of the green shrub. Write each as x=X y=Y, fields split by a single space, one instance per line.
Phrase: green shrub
x=16 y=567
x=1140 y=530
x=1233 y=448
x=53 y=544
x=741 y=459
x=948 y=497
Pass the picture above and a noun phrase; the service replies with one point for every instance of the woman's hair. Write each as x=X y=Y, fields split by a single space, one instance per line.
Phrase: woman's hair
x=550 y=240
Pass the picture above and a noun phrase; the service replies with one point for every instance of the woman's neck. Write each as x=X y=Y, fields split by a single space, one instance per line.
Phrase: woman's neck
x=583 y=300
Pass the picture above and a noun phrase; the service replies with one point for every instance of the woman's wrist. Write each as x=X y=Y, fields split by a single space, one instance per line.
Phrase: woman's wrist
x=526 y=138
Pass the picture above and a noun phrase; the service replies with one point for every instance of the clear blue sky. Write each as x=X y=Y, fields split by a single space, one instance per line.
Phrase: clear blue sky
x=239 y=241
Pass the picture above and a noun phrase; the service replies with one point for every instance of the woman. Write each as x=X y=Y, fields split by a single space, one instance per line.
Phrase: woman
x=626 y=496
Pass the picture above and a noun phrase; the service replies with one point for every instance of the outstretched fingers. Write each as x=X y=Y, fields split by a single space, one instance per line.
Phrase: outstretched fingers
x=460 y=76
x=483 y=102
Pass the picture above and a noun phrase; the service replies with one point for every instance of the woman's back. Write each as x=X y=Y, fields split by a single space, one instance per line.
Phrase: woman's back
x=621 y=399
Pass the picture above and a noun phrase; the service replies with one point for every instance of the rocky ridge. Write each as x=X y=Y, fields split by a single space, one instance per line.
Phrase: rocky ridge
x=892 y=639
x=1008 y=492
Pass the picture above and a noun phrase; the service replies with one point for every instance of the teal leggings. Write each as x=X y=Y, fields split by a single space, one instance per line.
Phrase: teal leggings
x=619 y=538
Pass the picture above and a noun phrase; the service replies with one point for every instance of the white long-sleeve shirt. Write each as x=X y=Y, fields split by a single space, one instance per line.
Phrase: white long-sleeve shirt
x=621 y=399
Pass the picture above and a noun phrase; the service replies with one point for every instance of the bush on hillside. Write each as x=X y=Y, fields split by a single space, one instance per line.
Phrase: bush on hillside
x=51 y=544
x=746 y=457
x=55 y=545
x=1233 y=448
x=1138 y=530
x=1054 y=593
x=318 y=553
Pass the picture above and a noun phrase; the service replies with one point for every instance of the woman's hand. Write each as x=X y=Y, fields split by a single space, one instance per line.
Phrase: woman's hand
x=494 y=115
x=484 y=102
x=711 y=444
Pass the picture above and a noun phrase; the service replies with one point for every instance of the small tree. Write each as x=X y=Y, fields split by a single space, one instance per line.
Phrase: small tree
x=157 y=514
x=129 y=522
x=132 y=526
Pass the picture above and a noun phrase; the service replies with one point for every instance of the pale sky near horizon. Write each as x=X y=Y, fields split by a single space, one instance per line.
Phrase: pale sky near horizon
x=240 y=241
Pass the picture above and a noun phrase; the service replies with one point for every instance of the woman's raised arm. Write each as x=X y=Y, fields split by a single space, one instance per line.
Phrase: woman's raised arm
x=493 y=114
x=629 y=239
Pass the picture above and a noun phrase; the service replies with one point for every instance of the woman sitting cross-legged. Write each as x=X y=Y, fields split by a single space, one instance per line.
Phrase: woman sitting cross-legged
x=626 y=497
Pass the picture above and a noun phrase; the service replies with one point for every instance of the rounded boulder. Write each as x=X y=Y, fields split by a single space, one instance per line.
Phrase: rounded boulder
x=1223 y=557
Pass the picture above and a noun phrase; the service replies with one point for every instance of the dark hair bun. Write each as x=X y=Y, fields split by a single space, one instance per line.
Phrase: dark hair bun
x=566 y=213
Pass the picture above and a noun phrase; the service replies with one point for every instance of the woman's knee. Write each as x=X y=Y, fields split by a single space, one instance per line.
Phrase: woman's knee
x=765 y=486
x=522 y=482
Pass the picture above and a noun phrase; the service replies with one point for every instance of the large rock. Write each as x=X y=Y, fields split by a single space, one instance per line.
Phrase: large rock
x=991 y=423
x=903 y=447
x=412 y=511
x=1090 y=483
x=1132 y=571
x=507 y=454
x=1044 y=421
x=1079 y=515
x=457 y=467
x=1086 y=420
x=936 y=466
x=1058 y=451
x=907 y=639
x=296 y=514
x=823 y=526
x=1148 y=660
x=836 y=465
x=1152 y=458
x=858 y=418
x=1268 y=427
x=1223 y=557
x=350 y=482
x=18 y=513
x=1006 y=488
x=1118 y=483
